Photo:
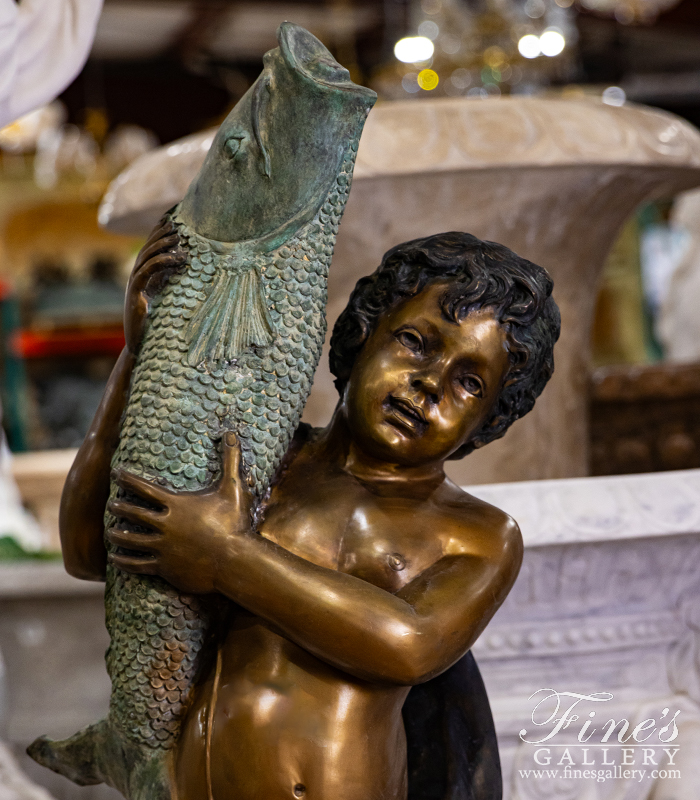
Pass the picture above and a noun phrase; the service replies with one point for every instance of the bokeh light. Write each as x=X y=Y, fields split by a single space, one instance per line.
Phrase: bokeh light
x=450 y=44
x=494 y=56
x=461 y=78
x=529 y=46
x=552 y=42
x=535 y=8
x=614 y=96
x=428 y=79
x=429 y=29
x=410 y=82
x=414 y=48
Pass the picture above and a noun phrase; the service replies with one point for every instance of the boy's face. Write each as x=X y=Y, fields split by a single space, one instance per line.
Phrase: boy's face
x=422 y=385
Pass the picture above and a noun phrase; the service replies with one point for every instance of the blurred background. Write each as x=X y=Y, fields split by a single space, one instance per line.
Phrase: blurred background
x=160 y=70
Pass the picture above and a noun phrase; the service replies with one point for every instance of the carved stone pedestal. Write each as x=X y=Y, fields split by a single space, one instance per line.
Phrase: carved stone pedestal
x=608 y=600
x=552 y=179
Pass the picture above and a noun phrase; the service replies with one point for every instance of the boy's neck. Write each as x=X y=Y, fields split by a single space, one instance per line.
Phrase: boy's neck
x=339 y=447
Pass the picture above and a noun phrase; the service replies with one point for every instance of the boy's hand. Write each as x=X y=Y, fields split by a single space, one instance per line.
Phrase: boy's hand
x=159 y=257
x=192 y=531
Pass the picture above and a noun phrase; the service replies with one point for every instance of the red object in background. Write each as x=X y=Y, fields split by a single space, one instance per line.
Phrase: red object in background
x=107 y=341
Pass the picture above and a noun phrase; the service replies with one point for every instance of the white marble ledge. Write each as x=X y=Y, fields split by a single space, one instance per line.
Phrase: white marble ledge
x=562 y=511
x=552 y=512
x=23 y=580
x=573 y=510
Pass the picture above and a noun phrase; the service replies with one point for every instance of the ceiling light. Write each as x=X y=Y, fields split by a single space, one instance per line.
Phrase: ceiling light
x=414 y=48
x=552 y=42
x=529 y=46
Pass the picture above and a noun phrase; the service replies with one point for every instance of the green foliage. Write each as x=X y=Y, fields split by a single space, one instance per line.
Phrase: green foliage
x=12 y=550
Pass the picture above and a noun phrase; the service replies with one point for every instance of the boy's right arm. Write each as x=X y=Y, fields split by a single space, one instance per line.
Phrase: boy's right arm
x=85 y=494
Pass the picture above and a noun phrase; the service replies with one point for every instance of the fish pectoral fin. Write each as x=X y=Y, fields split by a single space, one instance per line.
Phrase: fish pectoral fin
x=233 y=318
x=250 y=323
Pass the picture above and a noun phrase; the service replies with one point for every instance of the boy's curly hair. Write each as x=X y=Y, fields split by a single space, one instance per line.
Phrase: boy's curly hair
x=481 y=274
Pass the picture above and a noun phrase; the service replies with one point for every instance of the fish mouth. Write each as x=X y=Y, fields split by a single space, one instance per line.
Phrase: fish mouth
x=305 y=53
x=404 y=414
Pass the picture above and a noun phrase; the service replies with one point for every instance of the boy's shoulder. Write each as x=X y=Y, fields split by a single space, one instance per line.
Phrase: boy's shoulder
x=469 y=520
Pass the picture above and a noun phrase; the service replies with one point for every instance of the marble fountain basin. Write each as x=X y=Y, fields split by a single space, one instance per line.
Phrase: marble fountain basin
x=554 y=179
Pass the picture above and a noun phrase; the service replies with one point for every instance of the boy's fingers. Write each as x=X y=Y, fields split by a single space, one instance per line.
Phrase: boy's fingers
x=142 y=516
x=161 y=246
x=158 y=266
x=130 y=540
x=164 y=228
x=230 y=459
x=141 y=487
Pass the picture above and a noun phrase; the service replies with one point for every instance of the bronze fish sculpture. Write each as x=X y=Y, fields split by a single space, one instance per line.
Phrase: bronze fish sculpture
x=232 y=343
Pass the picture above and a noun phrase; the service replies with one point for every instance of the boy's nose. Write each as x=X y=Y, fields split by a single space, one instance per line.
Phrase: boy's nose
x=428 y=383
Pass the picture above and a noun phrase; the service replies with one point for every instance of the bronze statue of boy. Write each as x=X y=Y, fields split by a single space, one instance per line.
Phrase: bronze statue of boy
x=366 y=571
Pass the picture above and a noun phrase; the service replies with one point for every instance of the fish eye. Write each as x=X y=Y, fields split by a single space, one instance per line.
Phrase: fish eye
x=473 y=385
x=232 y=146
x=410 y=339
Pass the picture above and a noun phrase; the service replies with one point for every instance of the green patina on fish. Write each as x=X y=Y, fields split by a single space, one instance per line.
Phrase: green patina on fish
x=232 y=343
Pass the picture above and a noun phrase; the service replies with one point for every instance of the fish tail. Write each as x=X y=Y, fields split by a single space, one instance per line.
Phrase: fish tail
x=99 y=754
x=74 y=758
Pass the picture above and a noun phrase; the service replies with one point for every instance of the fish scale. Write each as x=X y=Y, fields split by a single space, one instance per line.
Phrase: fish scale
x=175 y=417
x=231 y=342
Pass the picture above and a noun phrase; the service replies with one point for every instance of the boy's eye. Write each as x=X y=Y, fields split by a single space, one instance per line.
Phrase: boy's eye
x=473 y=385
x=411 y=340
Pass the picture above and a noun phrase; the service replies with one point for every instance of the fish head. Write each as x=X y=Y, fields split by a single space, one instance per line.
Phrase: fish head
x=277 y=154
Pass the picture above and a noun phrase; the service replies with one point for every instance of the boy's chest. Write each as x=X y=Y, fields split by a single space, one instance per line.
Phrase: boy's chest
x=386 y=541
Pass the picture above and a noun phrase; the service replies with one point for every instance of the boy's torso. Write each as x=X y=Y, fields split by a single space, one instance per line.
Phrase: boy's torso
x=284 y=719
x=386 y=533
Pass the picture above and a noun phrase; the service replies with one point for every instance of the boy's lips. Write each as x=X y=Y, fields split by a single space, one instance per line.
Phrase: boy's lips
x=406 y=414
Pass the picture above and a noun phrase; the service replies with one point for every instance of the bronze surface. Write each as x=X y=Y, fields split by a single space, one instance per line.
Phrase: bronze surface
x=290 y=613
x=352 y=589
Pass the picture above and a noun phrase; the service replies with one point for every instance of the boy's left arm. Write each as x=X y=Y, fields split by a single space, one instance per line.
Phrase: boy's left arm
x=403 y=638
